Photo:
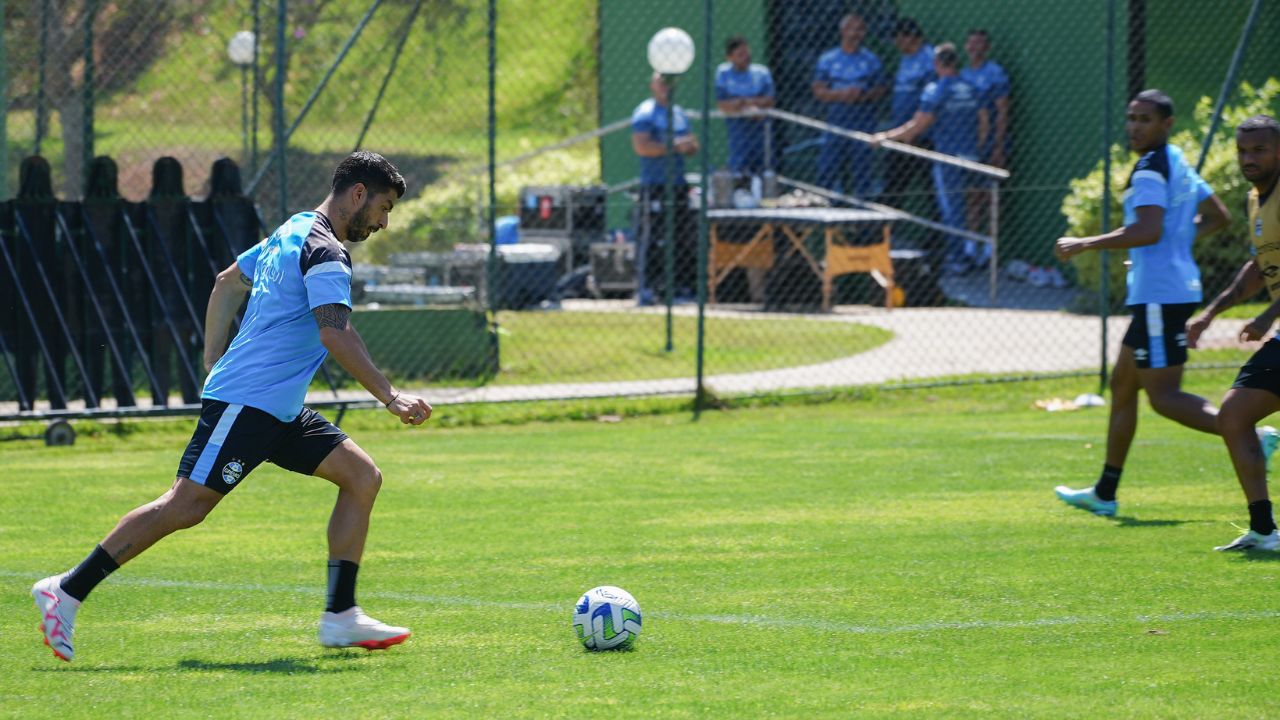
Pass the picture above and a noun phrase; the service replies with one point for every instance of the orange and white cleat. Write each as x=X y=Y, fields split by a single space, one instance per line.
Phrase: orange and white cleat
x=352 y=628
x=58 y=616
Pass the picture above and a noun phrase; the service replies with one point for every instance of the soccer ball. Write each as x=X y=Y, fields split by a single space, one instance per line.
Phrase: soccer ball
x=607 y=618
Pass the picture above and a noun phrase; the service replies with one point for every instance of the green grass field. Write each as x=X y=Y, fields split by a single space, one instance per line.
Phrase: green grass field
x=900 y=555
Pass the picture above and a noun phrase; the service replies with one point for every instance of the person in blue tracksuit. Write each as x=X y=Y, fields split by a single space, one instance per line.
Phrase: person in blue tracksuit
x=848 y=80
x=742 y=85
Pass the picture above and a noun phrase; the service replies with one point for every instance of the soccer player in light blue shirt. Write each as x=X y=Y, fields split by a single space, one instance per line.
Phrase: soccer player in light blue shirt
x=298 y=283
x=1161 y=205
x=741 y=86
x=849 y=80
x=952 y=111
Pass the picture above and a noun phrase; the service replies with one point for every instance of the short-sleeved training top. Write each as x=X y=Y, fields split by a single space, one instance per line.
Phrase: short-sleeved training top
x=650 y=118
x=915 y=71
x=841 y=70
x=1165 y=272
x=1264 y=231
x=271 y=361
x=746 y=135
x=954 y=105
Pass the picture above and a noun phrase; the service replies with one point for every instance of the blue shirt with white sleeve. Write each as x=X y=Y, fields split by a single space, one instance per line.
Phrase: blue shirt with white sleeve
x=273 y=358
x=1165 y=272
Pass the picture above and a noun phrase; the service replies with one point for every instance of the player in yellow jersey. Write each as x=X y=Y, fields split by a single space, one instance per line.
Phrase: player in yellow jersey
x=1256 y=392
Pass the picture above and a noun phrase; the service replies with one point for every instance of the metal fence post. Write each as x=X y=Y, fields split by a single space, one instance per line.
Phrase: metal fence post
x=1104 y=299
x=703 y=228
x=4 y=108
x=90 y=11
x=282 y=17
x=1229 y=82
x=491 y=264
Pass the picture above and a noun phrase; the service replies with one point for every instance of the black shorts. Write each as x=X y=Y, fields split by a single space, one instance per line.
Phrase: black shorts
x=1158 y=334
x=1262 y=371
x=231 y=440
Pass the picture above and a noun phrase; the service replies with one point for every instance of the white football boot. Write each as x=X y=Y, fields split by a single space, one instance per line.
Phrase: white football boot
x=1252 y=541
x=352 y=628
x=58 y=616
x=1086 y=499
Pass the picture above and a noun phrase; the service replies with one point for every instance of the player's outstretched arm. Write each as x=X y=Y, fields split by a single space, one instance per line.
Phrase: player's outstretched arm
x=1247 y=282
x=347 y=347
x=228 y=292
x=1144 y=231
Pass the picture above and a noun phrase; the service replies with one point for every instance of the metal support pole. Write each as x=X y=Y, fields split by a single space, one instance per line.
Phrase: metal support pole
x=4 y=109
x=995 y=240
x=257 y=42
x=1104 y=299
x=282 y=17
x=244 y=114
x=42 y=116
x=491 y=263
x=90 y=12
x=669 y=207
x=386 y=79
x=1229 y=82
x=703 y=227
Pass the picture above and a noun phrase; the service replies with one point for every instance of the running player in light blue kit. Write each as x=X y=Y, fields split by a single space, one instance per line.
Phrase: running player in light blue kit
x=299 y=287
x=1161 y=205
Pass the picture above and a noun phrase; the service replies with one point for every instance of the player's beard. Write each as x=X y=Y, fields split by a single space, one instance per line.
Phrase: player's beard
x=359 y=227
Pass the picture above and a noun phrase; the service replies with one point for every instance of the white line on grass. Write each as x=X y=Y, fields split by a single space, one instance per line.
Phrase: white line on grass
x=753 y=620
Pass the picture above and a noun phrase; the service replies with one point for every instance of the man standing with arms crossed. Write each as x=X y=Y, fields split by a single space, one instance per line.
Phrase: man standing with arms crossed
x=1256 y=392
x=849 y=80
x=1161 y=203
x=299 y=286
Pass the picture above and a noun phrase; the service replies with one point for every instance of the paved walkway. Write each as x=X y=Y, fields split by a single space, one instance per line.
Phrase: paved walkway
x=927 y=343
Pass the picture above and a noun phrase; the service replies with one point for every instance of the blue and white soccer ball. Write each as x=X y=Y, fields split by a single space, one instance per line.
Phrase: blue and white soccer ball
x=607 y=618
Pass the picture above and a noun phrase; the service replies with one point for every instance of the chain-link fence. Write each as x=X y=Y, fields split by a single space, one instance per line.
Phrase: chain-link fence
x=854 y=192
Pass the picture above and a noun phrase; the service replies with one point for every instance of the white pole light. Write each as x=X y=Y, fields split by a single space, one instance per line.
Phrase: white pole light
x=240 y=48
x=671 y=51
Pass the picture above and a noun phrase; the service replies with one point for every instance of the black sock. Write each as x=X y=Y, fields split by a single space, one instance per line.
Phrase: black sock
x=342 y=586
x=1107 y=484
x=92 y=570
x=1260 y=519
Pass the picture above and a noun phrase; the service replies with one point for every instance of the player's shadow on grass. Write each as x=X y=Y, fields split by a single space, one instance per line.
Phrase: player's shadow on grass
x=1124 y=521
x=286 y=666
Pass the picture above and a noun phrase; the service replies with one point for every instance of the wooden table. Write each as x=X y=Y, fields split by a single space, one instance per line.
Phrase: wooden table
x=796 y=225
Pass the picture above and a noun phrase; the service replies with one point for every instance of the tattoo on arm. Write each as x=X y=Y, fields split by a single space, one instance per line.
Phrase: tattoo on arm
x=333 y=315
x=248 y=281
x=120 y=553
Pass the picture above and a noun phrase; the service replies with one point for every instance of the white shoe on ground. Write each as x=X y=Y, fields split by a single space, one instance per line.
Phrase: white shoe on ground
x=1252 y=541
x=58 y=616
x=352 y=628
x=1086 y=499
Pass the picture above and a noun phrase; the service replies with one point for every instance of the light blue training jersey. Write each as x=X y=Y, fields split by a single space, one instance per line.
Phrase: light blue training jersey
x=915 y=71
x=746 y=135
x=650 y=119
x=271 y=361
x=1165 y=272
x=954 y=104
x=841 y=70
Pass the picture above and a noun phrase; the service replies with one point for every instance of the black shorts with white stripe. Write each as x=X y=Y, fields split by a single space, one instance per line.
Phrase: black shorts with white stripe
x=1158 y=334
x=231 y=440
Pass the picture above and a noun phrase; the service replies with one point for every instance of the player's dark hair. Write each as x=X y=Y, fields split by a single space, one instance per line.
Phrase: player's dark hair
x=1261 y=122
x=1161 y=100
x=733 y=44
x=980 y=31
x=946 y=54
x=371 y=170
x=909 y=27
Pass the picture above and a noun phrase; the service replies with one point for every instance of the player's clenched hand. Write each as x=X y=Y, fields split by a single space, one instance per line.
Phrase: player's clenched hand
x=1196 y=328
x=1068 y=247
x=1257 y=328
x=411 y=409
